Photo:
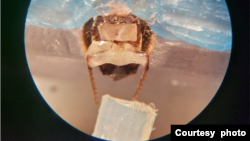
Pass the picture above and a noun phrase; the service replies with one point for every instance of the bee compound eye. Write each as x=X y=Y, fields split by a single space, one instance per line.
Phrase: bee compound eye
x=104 y=71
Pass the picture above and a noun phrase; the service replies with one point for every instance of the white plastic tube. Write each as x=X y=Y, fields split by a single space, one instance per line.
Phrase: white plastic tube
x=124 y=120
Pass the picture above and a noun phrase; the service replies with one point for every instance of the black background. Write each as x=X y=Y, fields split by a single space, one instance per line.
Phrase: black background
x=26 y=116
x=229 y=132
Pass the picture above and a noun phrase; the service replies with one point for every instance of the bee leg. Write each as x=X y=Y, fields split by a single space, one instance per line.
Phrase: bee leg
x=143 y=77
x=92 y=80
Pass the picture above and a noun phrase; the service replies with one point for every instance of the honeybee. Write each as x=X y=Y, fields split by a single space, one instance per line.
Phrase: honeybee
x=117 y=44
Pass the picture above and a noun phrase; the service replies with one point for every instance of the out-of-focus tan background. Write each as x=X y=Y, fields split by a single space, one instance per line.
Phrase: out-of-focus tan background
x=182 y=80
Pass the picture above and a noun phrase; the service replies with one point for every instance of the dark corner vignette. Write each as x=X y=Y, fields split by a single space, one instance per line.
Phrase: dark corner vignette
x=20 y=116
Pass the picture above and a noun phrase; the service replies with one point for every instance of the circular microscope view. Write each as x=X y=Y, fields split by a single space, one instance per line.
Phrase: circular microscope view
x=173 y=53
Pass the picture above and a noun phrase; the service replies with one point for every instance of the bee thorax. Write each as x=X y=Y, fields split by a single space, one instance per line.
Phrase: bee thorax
x=117 y=57
x=118 y=32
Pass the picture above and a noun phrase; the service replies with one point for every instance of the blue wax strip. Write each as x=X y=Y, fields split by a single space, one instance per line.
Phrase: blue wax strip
x=202 y=22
